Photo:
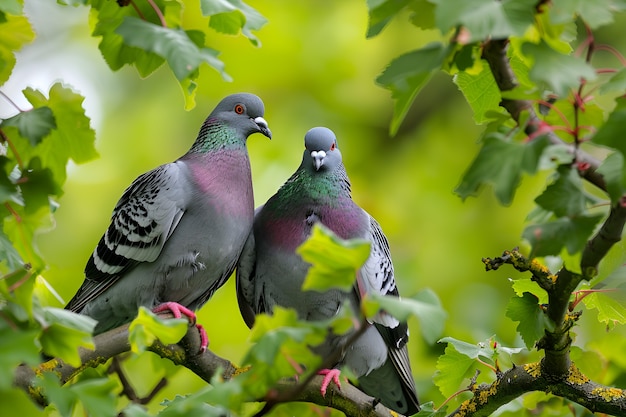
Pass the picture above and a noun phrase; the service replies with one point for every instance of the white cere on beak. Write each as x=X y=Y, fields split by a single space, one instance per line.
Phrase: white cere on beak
x=262 y=124
x=260 y=121
x=318 y=159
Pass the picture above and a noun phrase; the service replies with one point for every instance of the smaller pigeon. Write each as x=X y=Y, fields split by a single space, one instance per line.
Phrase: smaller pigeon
x=270 y=272
x=177 y=231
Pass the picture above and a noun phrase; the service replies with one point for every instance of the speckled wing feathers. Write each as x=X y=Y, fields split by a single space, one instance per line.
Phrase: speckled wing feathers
x=142 y=221
x=376 y=276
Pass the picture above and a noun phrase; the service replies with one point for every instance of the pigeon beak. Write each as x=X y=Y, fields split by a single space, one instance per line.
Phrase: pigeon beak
x=318 y=159
x=262 y=125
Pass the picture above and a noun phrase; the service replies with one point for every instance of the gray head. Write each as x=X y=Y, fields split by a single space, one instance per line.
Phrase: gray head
x=243 y=111
x=321 y=149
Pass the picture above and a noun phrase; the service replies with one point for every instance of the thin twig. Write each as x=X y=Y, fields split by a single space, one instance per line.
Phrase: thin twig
x=7 y=98
x=158 y=12
x=16 y=154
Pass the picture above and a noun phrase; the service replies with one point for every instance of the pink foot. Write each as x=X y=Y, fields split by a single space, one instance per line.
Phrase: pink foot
x=179 y=311
x=330 y=375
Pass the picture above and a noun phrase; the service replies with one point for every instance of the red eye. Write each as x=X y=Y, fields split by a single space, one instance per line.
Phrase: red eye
x=239 y=109
x=332 y=147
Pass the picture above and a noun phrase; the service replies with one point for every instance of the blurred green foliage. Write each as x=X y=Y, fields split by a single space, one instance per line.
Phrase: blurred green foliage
x=313 y=65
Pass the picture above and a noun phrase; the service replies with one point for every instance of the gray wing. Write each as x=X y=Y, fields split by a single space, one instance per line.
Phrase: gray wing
x=245 y=276
x=377 y=276
x=142 y=221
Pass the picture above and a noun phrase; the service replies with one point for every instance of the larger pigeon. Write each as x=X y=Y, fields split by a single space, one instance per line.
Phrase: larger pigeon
x=270 y=273
x=177 y=231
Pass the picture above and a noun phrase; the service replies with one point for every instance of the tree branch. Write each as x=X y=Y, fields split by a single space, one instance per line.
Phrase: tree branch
x=348 y=399
x=518 y=380
x=494 y=52
x=555 y=373
x=556 y=342
x=609 y=234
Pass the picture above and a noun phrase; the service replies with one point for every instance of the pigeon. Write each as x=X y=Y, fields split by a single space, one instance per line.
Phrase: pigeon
x=177 y=231
x=270 y=273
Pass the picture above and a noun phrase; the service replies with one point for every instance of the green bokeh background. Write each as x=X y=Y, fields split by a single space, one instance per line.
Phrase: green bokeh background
x=315 y=67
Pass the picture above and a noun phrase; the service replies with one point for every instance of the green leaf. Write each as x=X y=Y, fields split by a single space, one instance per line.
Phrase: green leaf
x=570 y=232
x=334 y=261
x=227 y=396
x=501 y=162
x=485 y=19
x=429 y=410
x=612 y=132
x=612 y=272
x=281 y=342
x=465 y=57
x=564 y=197
x=489 y=350
x=66 y=318
x=423 y=15
x=610 y=310
x=16 y=346
x=64 y=399
x=174 y=45
x=270 y=330
x=63 y=332
x=17 y=289
x=228 y=23
x=73 y=137
x=532 y=320
x=472 y=351
x=520 y=286
x=452 y=368
x=184 y=51
x=407 y=74
x=193 y=405
x=37 y=184
x=222 y=399
x=560 y=72
x=20 y=404
x=614 y=173
x=136 y=410
x=13 y=7
x=108 y=16
x=16 y=31
x=617 y=83
x=591 y=363
x=425 y=305
x=481 y=92
x=595 y=13
x=148 y=327
x=381 y=12
x=33 y=124
x=97 y=396
x=555 y=155
x=21 y=229
x=252 y=19
x=8 y=253
x=8 y=189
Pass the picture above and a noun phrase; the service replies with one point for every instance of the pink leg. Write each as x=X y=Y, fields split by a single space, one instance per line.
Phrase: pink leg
x=330 y=375
x=178 y=311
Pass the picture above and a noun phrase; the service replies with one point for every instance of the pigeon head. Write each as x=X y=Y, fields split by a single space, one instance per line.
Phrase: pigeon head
x=321 y=149
x=244 y=112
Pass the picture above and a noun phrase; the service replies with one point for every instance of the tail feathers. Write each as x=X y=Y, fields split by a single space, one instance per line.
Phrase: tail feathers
x=390 y=389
